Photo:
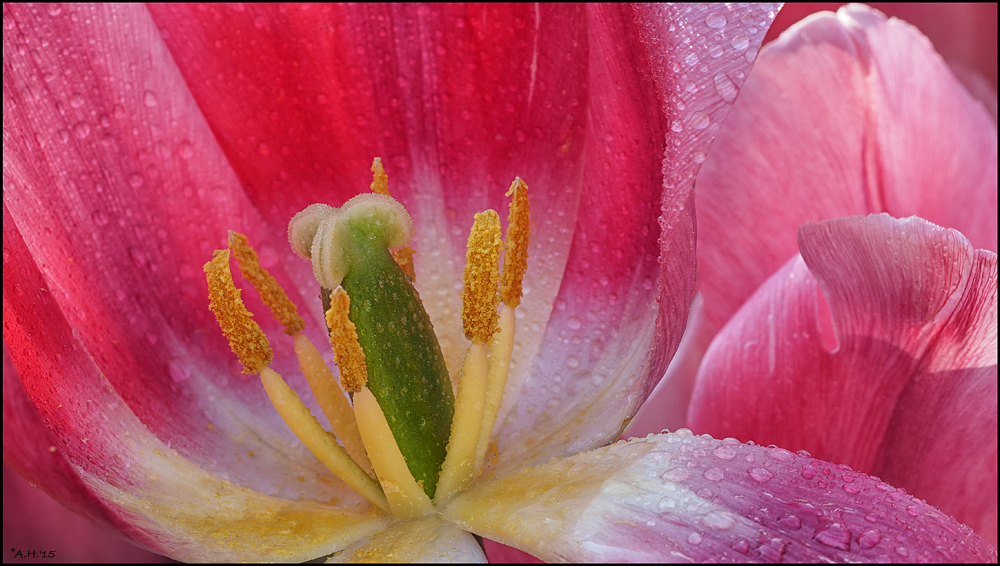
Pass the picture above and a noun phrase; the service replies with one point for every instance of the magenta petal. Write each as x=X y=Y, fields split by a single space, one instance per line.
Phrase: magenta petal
x=115 y=193
x=842 y=115
x=682 y=498
x=892 y=369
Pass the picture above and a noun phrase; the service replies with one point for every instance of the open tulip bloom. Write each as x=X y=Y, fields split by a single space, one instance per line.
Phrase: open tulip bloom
x=482 y=363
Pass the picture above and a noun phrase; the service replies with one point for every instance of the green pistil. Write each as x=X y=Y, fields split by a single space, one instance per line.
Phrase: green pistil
x=406 y=369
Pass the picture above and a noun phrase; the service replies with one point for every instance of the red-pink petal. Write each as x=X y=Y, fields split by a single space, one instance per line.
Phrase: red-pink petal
x=842 y=115
x=681 y=498
x=892 y=369
x=115 y=193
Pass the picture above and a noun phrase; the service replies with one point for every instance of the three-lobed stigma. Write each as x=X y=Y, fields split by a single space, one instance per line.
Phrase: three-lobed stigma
x=401 y=437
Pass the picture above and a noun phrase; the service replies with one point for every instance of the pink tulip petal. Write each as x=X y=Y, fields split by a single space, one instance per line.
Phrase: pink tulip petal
x=892 y=369
x=964 y=33
x=623 y=299
x=115 y=194
x=843 y=115
x=677 y=497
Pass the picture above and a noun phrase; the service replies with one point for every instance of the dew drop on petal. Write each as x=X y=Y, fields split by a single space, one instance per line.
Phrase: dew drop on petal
x=869 y=538
x=178 y=371
x=834 y=535
x=761 y=475
x=149 y=99
x=714 y=474
x=715 y=20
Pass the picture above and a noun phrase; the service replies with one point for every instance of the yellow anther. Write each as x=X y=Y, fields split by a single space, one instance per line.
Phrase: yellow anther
x=246 y=339
x=406 y=497
x=347 y=350
x=380 y=185
x=515 y=257
x=282 y=308
x=482 y=274
x=318 y=441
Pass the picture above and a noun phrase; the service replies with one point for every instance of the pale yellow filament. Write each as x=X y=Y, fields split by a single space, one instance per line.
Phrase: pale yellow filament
x=318 y=441
x=326 y=389
x=459 y=464
x=498 y=367
x=406 y=498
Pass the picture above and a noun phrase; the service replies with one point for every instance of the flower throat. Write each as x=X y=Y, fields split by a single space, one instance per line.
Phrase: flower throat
x=406 y=440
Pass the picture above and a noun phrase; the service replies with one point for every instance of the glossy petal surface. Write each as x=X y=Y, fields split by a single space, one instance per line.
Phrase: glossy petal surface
x=680 y=498
x=843 y=115
x=877 y=348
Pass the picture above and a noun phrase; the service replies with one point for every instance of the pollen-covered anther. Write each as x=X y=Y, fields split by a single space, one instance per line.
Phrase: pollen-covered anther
x=282 y=308
x=481 y=278
x=347 y=350
x=515 y=257
x=380 y=185
x=246 y=339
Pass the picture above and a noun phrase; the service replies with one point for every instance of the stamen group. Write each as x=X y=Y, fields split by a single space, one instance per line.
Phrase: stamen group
x=384 y=436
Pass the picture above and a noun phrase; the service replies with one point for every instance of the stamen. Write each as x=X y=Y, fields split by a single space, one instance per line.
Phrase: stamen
x=282 y=308
x=246 y=339
x=459 y=464
x=496 y=380
x=406 y=497
x=332 y=400
x=482 y=274
x=318 y=441
x=515 y=258
x=347 y=351
x=380 y=185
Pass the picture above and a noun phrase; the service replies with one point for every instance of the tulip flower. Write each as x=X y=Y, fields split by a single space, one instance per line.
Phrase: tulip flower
x=894 y=375
x=134 y=137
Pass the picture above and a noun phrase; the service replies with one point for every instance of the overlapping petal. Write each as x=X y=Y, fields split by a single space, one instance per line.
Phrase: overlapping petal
x=678 y=497
x=876 y=348
x=843 y=115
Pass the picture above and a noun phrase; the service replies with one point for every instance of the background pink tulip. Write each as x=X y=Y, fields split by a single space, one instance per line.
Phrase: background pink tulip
x=844 y=116
x=134 y=138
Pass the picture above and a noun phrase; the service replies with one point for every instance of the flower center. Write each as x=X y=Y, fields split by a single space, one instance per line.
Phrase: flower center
x=406 y=440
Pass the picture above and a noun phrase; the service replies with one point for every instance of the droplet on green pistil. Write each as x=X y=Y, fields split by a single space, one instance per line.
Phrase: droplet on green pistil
x=406 y=370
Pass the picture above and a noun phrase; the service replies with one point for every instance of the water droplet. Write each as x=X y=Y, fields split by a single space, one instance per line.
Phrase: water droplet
x=869 y=538
x=574 y=322
x=691 y=59
x=135 y=180
x=741 y=545
x=790 y=522
x=724 y=452
x=99 y=218
x=81 y=130
x=714 y=474
x=178 y=371
x=902 y=551
x=835 y=535
x=76 y=100
x=54 y=9
x=809 y=472
x=700 y=120
x=726 y=88
x=761 y=475
x=149 y=99
x=851 y=488
x=694 y=538
x=677 y=126
x=716 y=20
x=185 y=150
x=572 y=362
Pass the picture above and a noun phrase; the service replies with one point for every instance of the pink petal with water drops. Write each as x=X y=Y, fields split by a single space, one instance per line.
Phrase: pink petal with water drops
x=682 y=498
x=115 y=193
x=843 y=115
x=877 y=349
x=624 y=296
